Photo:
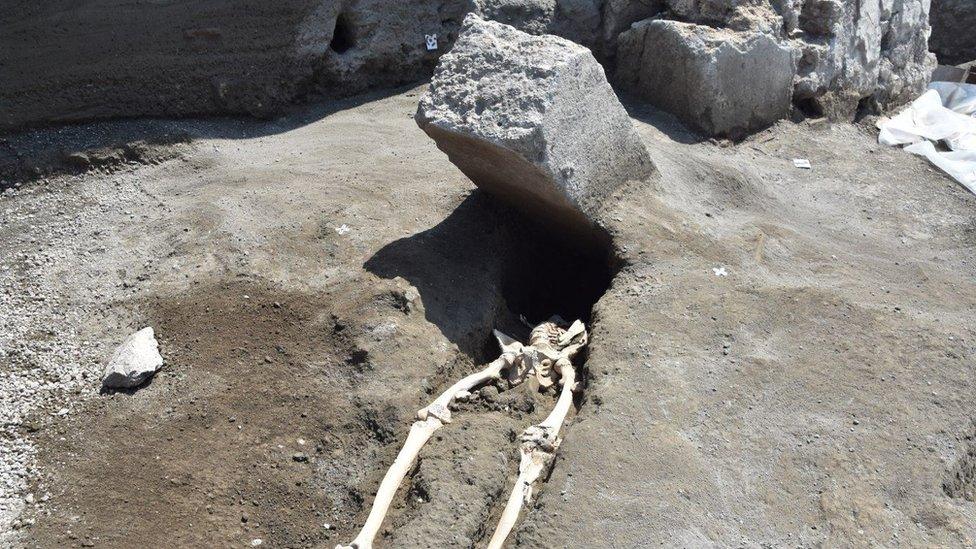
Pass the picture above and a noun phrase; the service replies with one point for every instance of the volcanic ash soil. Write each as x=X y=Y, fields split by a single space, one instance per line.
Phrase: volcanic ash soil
x=779 y=356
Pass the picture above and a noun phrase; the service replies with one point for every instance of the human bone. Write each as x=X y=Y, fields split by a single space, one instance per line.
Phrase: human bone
x=539 y=442
x=549 y=344
x=429 y=419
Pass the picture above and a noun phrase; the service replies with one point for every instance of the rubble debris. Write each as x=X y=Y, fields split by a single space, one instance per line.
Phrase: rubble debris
x=533 y=120
x=849 y=56
x=407 y=296
x=718 y=81
x=134 y=361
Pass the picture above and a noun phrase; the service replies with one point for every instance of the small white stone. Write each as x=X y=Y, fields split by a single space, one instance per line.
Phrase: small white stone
x=133 y=362
x=256 y=541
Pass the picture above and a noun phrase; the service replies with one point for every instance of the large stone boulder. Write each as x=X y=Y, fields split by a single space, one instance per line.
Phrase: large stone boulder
x=533 y=120
x=953 y=31
x=718 y=81
x=850 y=56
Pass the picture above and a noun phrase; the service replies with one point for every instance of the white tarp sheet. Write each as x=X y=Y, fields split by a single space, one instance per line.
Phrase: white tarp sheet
x=945 y=113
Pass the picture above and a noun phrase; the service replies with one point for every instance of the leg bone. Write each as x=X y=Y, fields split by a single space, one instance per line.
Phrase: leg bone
x=538 y=448
x=430 y=419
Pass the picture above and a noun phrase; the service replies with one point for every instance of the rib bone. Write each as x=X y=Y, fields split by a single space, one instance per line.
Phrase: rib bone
x=430 y=418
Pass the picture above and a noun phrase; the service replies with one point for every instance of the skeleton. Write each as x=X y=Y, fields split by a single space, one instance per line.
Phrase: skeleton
x=547 y=359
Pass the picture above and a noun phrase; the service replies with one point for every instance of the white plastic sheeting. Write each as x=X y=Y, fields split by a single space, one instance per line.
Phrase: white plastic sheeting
x=946 y=113
x=960 y=98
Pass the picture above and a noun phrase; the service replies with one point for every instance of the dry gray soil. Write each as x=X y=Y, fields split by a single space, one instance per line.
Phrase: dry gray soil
x=820 y=394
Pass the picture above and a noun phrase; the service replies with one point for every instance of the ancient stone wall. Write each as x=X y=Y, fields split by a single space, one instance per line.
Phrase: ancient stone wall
x=64 y=61
x=847 y=57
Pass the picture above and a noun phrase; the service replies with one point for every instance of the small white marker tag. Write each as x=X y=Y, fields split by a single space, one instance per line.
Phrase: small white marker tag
x=802 y=163
x=431 y=40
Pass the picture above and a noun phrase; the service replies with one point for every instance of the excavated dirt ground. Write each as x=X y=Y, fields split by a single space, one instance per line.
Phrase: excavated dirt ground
x=820 y=394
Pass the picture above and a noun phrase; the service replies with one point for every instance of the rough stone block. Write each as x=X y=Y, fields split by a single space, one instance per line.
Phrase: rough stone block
x=720 y=82
x=532 y=119
x=134 y=361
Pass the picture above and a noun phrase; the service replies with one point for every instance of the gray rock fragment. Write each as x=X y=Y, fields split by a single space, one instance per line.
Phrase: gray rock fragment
x=134 y=361
x=533 y=120
x=719 y=81
x=576 y=20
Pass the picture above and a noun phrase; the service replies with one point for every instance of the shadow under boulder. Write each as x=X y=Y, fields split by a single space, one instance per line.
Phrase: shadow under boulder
x=485 y=266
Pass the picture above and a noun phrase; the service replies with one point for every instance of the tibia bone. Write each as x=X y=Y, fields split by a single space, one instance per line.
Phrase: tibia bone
x=420 y=433
x=538 y=448
x=430 y=418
